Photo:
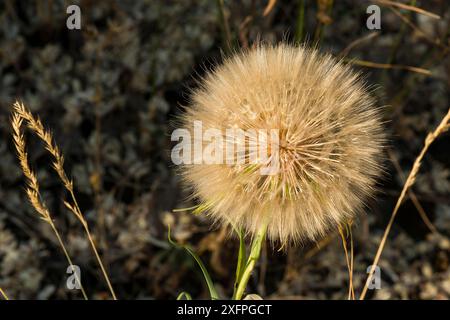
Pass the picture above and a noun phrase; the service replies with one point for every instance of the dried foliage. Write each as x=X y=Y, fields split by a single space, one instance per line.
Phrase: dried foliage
x=441 y=128
x=32 y=189
x=35 y=125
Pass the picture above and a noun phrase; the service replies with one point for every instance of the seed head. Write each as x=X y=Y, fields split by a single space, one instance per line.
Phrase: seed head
x=330 y=140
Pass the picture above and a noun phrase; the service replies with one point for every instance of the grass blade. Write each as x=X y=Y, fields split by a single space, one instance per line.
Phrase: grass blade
x=212 y=290
x=185 y=295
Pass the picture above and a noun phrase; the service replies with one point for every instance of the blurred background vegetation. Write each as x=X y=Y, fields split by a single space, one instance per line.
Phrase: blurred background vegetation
x=108 y=93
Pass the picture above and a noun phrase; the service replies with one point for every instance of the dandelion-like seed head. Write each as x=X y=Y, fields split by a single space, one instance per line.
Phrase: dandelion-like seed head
x=329 y=146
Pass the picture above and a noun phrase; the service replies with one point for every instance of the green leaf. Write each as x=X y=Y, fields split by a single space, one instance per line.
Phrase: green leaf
x=212 y=290
x=255 y=252
x=185 y=295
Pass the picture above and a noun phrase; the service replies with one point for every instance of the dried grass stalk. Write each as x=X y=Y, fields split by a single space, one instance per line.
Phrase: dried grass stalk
x=346 y=232
x=32 y=188
x=35 y=125
x=441 y=128
x=408 y=7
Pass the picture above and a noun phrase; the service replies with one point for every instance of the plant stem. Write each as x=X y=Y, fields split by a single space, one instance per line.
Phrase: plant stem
x=91 y=241
x=318 y=34
x=396 y=46
x=251 y=262
x=441 y=128
x=97 y=256
x=209 y=282
x=69 y=260
x=300 y=22
x=226 y=33
x=242 y=256
x=3 y=294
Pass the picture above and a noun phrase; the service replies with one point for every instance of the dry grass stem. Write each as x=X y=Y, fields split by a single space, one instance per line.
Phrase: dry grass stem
x=269 y=7
x=323 y=16
x=419 y=31
x=441 y=128
x=371 y=64
x=412 y=196
x=32 y=189
x=408 y=7
x=35 y=125
x=357 y=42
x=348 y=257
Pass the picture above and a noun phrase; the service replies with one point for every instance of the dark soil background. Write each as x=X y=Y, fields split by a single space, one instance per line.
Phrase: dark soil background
x=108 y=93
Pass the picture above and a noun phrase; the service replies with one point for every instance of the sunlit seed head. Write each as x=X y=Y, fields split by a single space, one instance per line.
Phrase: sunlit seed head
x=330 y=142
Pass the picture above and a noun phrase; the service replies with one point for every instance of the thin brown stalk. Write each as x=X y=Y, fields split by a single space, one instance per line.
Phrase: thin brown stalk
x=323 y=18
x=32 y=189
x=243 y=31
x=77 y=212
x=357 y=42
x=58 y=165
x=413 y=196
x=441 y=128
x=397 y=42
x=348 y=258
x=408 y=7
x=269 y=7
x=351 y=263
x=371 y=64
x=419 y=31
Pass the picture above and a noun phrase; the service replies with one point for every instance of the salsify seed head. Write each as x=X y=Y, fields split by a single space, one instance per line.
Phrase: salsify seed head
x=330 y=141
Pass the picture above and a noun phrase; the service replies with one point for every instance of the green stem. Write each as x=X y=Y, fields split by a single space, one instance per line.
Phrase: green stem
x=251 y=262
x=300 y=22
x=3 y=294
x=242 y=256
x=226 y=33
x=209 y=282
